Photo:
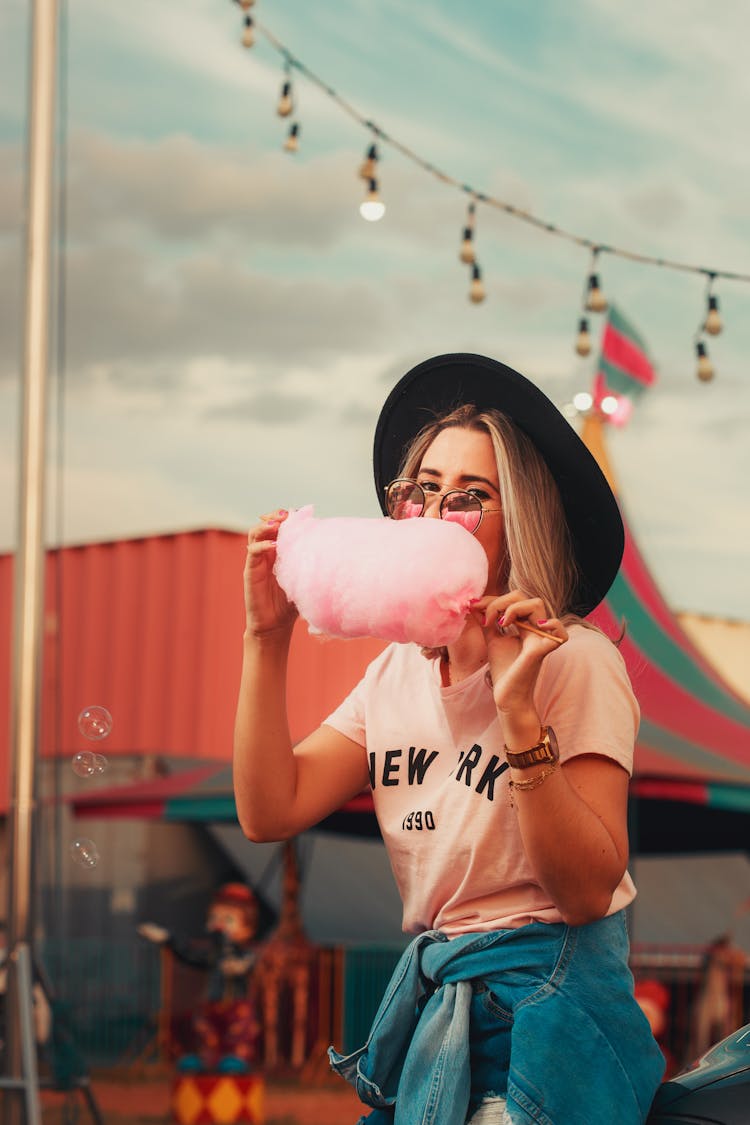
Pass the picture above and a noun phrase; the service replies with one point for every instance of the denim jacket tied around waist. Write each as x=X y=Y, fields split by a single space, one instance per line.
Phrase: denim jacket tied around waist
x=416 y=1064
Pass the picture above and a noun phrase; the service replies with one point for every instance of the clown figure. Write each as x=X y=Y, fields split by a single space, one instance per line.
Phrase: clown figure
x=224 y=1027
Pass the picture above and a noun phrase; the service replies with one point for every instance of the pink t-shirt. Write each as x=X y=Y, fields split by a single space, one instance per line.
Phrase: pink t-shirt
x=440 y=781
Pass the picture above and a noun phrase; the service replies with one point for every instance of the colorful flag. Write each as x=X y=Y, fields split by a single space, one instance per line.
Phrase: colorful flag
x=624 y=369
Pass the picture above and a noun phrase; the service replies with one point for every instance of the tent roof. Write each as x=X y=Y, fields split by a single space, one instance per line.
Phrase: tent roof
x=694 y=737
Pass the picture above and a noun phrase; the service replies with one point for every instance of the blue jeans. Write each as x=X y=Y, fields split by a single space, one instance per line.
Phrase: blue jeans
x=543 y=1014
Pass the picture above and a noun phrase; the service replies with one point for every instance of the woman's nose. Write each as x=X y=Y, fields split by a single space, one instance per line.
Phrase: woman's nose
x=432 y=505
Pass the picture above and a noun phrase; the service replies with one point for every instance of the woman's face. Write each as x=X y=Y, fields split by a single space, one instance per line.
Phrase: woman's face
x=460 y=458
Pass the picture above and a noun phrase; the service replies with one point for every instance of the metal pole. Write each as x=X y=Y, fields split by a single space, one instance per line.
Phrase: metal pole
x=27 y=1037
x=29 y=575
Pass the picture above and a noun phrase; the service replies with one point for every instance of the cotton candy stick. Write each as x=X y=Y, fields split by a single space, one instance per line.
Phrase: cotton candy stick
x=402 y=580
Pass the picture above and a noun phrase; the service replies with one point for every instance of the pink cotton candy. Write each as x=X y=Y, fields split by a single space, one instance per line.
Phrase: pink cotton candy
x=402 y=580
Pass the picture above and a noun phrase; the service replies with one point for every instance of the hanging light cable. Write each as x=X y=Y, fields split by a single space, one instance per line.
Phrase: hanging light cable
x=489 y=200
x=594 y=299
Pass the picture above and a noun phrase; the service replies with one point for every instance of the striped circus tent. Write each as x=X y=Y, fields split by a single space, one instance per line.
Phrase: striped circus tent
x=691 y=787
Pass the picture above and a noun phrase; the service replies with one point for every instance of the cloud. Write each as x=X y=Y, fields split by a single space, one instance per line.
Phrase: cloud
x=268 y=407
x=178 y=188
x=121 y=310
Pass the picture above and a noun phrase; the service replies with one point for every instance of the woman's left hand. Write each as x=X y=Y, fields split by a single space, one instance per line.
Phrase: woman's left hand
x=514 y=651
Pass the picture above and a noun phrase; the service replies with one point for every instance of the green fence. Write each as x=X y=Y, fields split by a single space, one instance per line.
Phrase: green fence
x=107 y=992
x=367 y=971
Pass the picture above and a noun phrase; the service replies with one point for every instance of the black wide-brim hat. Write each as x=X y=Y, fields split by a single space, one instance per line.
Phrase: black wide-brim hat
x=438 y=385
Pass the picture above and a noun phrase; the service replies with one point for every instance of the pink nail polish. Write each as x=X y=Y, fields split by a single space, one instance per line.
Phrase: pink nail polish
x=542 y=622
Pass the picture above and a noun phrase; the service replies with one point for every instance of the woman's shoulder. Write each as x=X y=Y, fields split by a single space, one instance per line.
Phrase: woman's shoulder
x=585 y=638
x=587 y=650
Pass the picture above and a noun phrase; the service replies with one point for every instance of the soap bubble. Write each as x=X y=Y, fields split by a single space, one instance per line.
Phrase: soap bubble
x=84 y=763
x=95 y=723
x=84 y=852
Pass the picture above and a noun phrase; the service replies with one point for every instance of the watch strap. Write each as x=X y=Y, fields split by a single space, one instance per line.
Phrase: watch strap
x=541 y=753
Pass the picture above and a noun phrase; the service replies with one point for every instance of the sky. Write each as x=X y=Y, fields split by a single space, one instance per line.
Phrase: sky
x=226 y=326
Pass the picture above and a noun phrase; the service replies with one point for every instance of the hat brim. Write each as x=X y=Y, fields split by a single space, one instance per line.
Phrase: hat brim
x=438 y=385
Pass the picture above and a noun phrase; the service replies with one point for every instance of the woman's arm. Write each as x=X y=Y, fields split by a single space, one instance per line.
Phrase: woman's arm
x=574 y=831
x=281 y=790
x=574 y=823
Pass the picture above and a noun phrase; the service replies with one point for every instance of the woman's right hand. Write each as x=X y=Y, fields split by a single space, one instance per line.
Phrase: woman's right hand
x=267 y=608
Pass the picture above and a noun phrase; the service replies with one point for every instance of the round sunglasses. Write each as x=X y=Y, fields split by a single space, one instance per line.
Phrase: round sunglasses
x=406 y=499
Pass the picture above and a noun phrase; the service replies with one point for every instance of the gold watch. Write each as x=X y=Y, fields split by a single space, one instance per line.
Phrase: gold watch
x=543 y=752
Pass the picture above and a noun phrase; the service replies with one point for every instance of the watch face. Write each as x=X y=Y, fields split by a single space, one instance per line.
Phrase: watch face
x=552 y=741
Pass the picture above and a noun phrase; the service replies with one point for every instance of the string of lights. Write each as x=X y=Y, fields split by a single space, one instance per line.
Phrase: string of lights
x=372 y=208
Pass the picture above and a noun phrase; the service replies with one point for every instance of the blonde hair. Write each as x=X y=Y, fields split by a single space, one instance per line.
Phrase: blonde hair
x=539 y=557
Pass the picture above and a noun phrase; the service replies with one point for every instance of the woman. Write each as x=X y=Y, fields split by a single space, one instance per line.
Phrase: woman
x=499 y=771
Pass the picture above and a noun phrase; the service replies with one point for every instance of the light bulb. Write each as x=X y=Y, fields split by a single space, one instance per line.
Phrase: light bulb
x=476 y=289
x=705 y=370
x=583 y=340
x=609 y=404
x=467 y=255
x=286 y=105
x=248 y=35
x=372 y=207
x=713 y=324
x=596 y=301
x=291 y=144
x=368 y=167
x=582 y=401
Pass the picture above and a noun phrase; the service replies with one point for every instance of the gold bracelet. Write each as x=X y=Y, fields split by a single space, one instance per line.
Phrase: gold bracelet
x=531 y=782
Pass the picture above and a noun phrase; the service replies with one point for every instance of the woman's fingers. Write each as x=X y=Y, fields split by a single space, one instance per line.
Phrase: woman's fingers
x=267 y=606
x=508 y=608
x=512 y=613
x=275 y=517
x=262 y=536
